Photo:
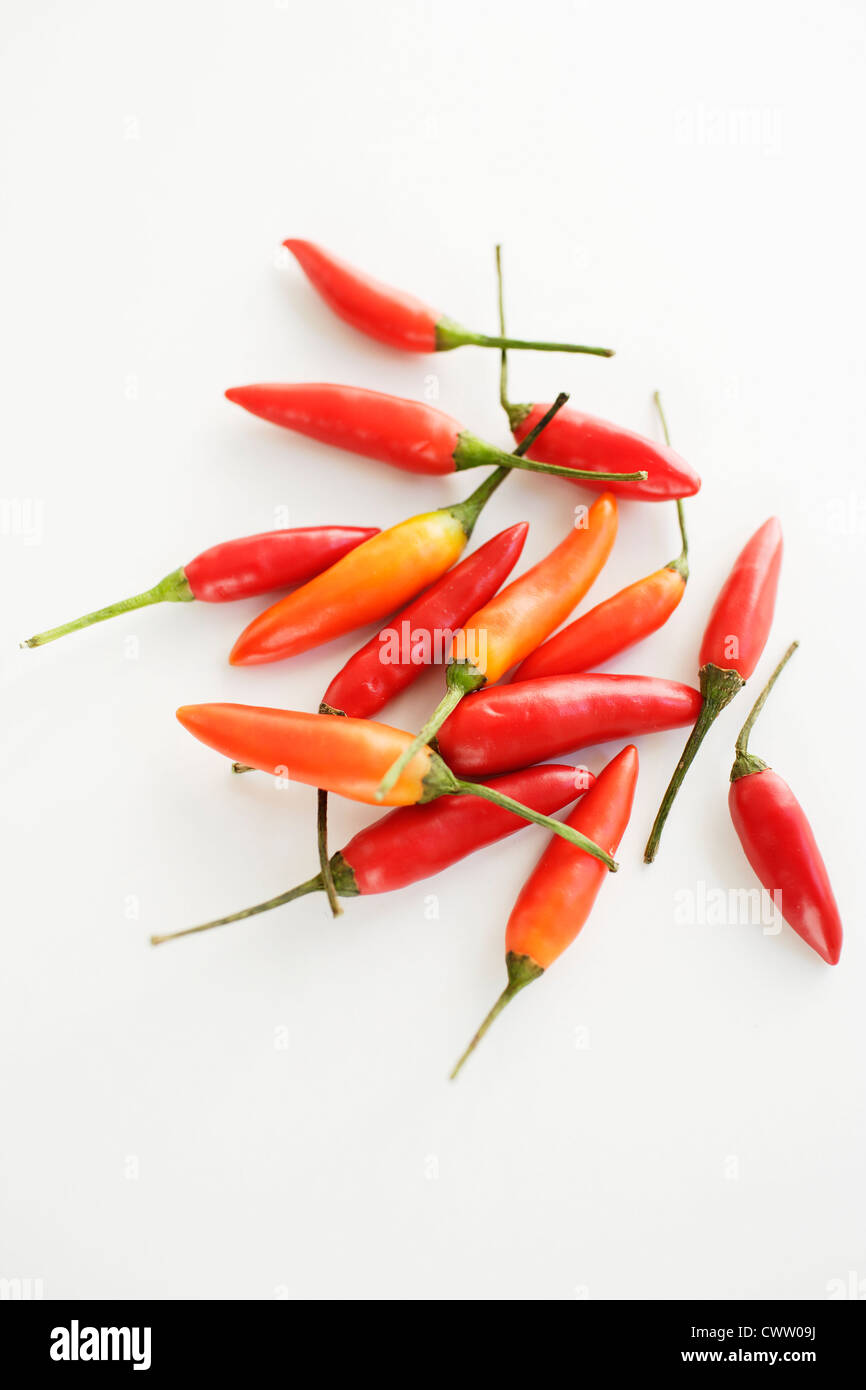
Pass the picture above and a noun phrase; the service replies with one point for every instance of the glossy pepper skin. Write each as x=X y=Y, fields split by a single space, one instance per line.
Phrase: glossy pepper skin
x=513 y=623
x=559 y=894
x=368 y=680
x=780 y=845
x=508 y=726
x=404 y=433
x=515 y=620
x=733 y=641
x=347 y=756
x=390 y=315
x=580 y=441
x=376 y=578
x=583 y=442
x=242 y=568
x=341 y=755
x=608 y=629
x=385 y=573
x=414 y=842
x=614 y=625
x=740 y=621
x=272 y=560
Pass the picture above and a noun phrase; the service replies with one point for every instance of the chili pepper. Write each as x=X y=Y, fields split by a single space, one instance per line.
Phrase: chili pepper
x=398 y=654
x=347 y=756
x=617 y=623
x=395 y=318
x=384 y=572
x=734 y=638
x=415 y=842
x=508 y=726
x=513 y=623
x=241 y=568
x=404 y=433
x=376 y=673
x=591 y=446
x=559 y=894
x=780 y=844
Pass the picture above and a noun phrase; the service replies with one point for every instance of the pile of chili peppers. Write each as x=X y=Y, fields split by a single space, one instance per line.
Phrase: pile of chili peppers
x=522 y=683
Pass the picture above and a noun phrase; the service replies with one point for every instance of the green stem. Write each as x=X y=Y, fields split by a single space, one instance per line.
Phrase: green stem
x=516 y=413
x=472 y=452
x=745 y=761
x=718 y=687
x=565 y=832
x=460 y=682
x=173 y=589
x=681 y=562
x=452 y=335
x=657 y=397
x=468 y=511
x=242 y=767
x=522 y=970
x=503 y=364
x=322 y=833
x=313 y=885
x=449 y=702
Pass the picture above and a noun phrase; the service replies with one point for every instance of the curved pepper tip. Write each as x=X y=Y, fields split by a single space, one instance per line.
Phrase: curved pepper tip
x=246 y=652
x=190 y=717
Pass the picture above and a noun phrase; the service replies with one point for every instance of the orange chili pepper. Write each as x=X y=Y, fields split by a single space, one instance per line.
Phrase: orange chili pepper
x=381 y=576
x=519 y=617
x=621 y=620
x=348 y=756
x=559 y=894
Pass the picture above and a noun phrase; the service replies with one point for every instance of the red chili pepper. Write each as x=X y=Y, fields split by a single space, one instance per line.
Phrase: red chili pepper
x=400 y=652
x=415 y=842
x=379 y=577
x=241 y=568
x=780 y=844
x=592 y=446
x=735 y=636
x=395 y=318
x=376 y=673
x=617 y=623
x=514 y=622
x=558 y=896
x=508 y=726
x=347 y=756
x=406 y=434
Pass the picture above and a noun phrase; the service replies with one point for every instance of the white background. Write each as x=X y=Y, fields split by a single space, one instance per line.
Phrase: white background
x=674 y=1110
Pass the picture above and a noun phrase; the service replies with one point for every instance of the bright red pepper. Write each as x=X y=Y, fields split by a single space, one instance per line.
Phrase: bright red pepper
x=620 y=621
x=375 y=674
x=612 y=626
x=513 y=623
x=406 y=647
x=780 y=844
x=404 y=433
x=393 y=317
x=415 y=842
x=242 y=568
x=587 y=444
x=377 y=579
x=347 y=756
x=509 y=726
x=592 y=446
x=733 y=641
x=559 y=895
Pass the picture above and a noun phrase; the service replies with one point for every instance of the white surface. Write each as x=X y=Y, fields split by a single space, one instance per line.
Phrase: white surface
x=683 y=188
